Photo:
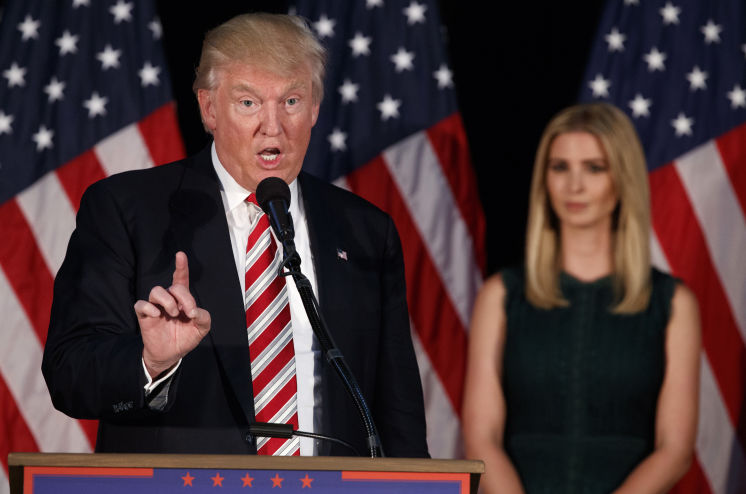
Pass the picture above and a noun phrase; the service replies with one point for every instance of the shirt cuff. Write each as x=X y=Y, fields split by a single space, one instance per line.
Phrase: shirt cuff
x=150 y=385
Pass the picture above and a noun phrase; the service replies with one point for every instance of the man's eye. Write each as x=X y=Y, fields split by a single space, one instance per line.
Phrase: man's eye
x=247 y=103
x=292 y=101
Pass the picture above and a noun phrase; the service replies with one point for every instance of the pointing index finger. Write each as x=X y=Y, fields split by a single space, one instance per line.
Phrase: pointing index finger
x=181 y=271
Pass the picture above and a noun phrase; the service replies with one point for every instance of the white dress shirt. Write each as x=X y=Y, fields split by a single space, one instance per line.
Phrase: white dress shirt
x=241 y=217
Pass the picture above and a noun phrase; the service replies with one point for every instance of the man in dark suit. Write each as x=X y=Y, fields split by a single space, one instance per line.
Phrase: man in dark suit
x=148 y=331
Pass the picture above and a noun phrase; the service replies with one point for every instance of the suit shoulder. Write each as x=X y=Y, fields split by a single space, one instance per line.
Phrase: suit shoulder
x=141 y=182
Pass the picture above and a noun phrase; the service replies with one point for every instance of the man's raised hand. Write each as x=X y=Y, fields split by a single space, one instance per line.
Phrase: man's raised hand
x=171 y=324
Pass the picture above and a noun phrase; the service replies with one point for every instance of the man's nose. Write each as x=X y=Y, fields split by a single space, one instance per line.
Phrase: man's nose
x=271 y=124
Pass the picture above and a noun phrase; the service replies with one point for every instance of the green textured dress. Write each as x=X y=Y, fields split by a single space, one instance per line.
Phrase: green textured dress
x=581 y=384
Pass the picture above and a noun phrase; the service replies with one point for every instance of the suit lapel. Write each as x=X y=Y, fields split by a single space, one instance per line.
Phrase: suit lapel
x=321 y=235
x=202 y=232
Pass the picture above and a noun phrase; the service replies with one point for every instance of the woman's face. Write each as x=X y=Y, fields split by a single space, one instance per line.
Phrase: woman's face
x=579 y=183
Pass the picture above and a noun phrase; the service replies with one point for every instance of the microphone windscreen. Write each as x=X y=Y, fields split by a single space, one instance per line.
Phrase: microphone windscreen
x=269 y=189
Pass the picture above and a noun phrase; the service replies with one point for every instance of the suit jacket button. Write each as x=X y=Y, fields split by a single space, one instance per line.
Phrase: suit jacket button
x=249 y=438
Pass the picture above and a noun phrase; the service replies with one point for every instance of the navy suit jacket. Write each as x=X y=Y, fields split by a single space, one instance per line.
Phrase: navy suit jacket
x=129 y=227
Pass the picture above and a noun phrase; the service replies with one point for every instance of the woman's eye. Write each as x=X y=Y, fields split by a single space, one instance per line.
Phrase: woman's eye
x=559 y=166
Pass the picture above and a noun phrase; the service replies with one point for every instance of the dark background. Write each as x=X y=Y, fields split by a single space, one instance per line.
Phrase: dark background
x=515 y=64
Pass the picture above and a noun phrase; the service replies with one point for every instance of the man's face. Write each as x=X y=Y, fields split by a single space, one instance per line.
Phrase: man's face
x=261 y=121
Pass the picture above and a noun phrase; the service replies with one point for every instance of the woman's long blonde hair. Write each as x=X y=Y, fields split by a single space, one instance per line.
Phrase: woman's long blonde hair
x=631 y=222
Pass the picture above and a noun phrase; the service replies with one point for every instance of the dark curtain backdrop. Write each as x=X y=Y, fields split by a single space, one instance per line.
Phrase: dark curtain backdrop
x=515 y=65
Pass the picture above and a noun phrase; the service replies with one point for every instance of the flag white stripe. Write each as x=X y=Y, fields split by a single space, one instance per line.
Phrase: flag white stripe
x=4 y=483
x=417 y=172
x=123 y=150
x=657 y=257
x=51 y=217
x=720 y=453
x=719 y=213
x=443 y=423
x=20 y=361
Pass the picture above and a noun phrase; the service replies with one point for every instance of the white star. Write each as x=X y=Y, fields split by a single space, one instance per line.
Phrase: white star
x=640 y=106
x=389 y=107
x=360 y=44
x=5 y=121
x=156 y=28
x=324 y=26
x=109 y=57
x=444 y=76
x=373 y=3
x=78 y=3
x=670 y=13
x=697 y=79
x=29 y=28
x=337 y=140
x=15 y=75
x=67 y=43
x=600 y=86
x=615 y=39
x=43 y=138
x=737 y=97
x=96 y=105
x=122 y=11
x=683 y=125
x=149 y=75
x=403 y=59
x=655 y=60
x=54 y=89
x=348 y=90
x=711 y=32
x=415 y=13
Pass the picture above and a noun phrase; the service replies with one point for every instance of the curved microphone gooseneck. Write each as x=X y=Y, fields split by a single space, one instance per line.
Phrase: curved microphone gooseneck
x=273 y=196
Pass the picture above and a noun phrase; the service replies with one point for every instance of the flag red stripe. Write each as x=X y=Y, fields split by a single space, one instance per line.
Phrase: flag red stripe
x=17 y=436
x=676 y=225
x=732 y=148
x=160 y=131
x=77 y=174
x=693 y=482
x=448 y=140
x=25 y=268
x=433 y=314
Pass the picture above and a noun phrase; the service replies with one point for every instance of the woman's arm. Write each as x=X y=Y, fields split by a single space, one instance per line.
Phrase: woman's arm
x=484 y=404
x=676 y=419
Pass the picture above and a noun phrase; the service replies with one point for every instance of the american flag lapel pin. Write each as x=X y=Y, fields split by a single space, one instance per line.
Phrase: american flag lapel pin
x=342 y=254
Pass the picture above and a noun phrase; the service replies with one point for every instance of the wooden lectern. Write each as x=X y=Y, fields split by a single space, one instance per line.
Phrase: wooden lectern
x=63 y=473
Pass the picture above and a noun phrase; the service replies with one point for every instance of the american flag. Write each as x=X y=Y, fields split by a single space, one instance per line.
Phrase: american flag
x=678 y=68
x=389 y=130
x=84 y=93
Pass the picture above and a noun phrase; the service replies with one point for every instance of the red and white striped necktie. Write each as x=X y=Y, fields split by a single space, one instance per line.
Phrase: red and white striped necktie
x=270 y=338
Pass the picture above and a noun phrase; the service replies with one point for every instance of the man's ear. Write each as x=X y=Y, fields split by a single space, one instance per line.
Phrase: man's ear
x=207 y=108
x=315 y=113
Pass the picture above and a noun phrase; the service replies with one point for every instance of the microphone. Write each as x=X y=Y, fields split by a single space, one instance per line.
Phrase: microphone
x=285 y=431
x=273 y=196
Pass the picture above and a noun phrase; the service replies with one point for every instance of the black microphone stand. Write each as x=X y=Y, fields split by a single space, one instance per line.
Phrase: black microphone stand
x=291 y=261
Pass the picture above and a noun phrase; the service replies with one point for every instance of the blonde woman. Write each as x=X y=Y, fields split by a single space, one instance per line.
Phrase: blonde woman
x=583 y=365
